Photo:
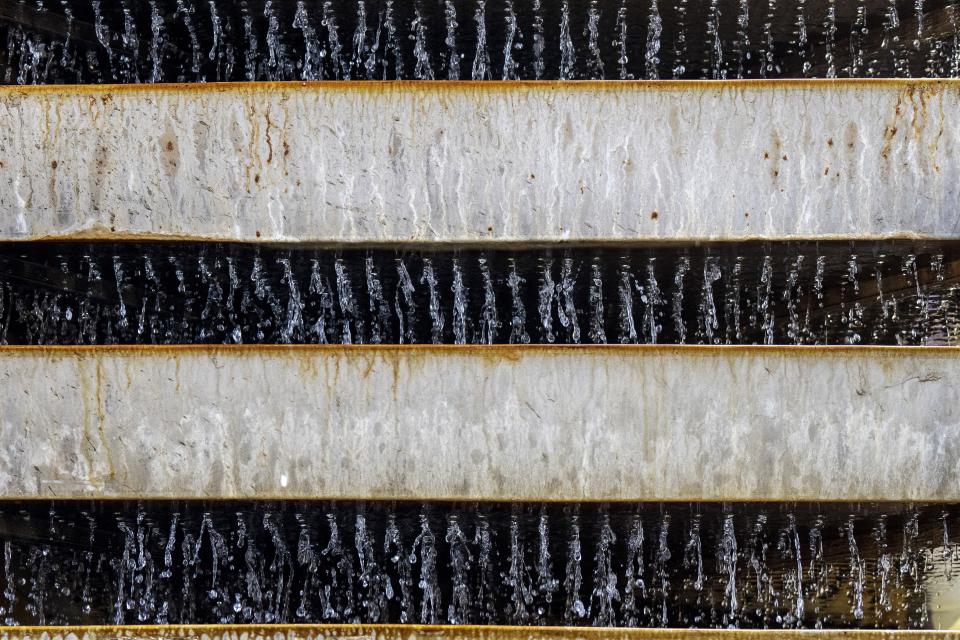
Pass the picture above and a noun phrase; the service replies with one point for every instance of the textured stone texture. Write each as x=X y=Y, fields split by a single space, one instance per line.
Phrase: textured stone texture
x=473 y=161
x=632 y=423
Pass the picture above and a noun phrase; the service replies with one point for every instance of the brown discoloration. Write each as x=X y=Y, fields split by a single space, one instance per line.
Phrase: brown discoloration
x=269 y=140
x=487 y=86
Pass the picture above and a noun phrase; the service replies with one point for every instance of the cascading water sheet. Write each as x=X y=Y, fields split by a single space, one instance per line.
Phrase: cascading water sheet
x=130 y=41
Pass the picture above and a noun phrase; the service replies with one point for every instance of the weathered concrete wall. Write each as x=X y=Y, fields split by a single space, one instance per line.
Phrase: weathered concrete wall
x=632 y=423
x=439 y=632
x=473 y=161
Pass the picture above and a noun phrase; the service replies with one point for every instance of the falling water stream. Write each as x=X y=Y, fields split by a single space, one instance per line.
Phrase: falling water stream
x=132 y=41
x=792 y=293
x=647 y=565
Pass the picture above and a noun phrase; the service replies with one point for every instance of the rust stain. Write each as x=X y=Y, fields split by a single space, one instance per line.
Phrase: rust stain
x=269 y=141
x=14 y=92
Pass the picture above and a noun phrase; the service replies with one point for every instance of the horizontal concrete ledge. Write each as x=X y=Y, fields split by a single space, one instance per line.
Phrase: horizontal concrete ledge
x=434 y=632
x=481 y=423
x=468 y=162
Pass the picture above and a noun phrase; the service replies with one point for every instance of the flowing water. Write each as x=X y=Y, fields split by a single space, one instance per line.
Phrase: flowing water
x=131 y=41
x=646 y=565
x=807 y=293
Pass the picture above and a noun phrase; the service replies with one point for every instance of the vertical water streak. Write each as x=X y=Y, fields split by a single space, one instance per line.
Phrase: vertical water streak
x=795 y=617
x=621 y=42
x=392 y=44
x=429 y=586
x=510 y=66
x=362 y=65
x=891 y=40
x=486 y=579
x=320 y=291
x=539 y=43
x=595 y=61
x=436 y=313
x=310 y=68
x=547 y=584
x=102 y=31
x=801 y=24
x=348 y=304
x=459 y=290
x=765 y=305
x=605 y=592
x=768 y=65
x=573 y=575
x=371 y=578
x=858 y=34
x=275 y=53
x=791 y=295
x=830 y=38
x=545 y=302
x=481 y=58
x=727 y=566
x=709 y=321
x=683 y=266
x=628 y=329
x=680 y=41
x=652 y=298
x=517 y=578
x=341 y=68
x=715 y=69
x=489 y=320
x=567 y=54
x=404 y=305
x=742 y=44
x=597 y=333
x=377 y=305
x=131 y=44
x=693 y=554
x=634 y=587
x=397 y=555
x=857 y=582
x=651 y=57
x=518 y=319
x=292 y=329
x=567 y=311
x=661 y=570
x=251 y=54
x=458 y=612
x=453 y=57
x=185 y=10
x=423 y=70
